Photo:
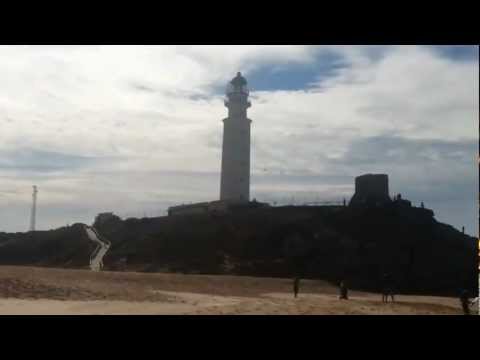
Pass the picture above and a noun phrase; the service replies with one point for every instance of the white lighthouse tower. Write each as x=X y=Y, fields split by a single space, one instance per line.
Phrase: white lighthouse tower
x=235 y=181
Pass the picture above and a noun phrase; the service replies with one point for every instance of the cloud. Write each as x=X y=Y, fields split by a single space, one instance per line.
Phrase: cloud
x=457 y=52
x=42 y=161
x=136 y=128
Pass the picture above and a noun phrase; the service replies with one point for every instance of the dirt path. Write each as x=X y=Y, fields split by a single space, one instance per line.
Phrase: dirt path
x=201 y=304
x=318 y=304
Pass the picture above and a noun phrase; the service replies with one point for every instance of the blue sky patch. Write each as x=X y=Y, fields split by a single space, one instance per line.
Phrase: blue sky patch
x=295 y=76
x=457 y=52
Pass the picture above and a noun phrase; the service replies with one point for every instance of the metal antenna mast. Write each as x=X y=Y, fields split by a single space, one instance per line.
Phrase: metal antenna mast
x=34 y=208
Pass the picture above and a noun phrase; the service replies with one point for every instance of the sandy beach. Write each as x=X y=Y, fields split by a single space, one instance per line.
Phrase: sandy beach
x=47 y=291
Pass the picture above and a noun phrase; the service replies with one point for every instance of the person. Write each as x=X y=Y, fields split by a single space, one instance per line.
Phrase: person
x=465 y=302
x=343 y=290
x=296 y=286
x=384 y=289
x=387 y=288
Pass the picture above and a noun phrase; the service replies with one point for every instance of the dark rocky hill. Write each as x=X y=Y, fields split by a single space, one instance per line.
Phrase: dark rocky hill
x=329 y=243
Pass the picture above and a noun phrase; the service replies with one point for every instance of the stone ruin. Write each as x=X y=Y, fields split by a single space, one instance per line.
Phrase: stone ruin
x=371 y=190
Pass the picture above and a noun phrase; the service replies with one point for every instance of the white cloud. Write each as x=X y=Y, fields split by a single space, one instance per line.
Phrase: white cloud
x=135 y=107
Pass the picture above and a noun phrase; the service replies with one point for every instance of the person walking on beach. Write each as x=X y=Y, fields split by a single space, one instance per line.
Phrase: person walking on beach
x=387 y=288
x=384 y=289
x=296 y=286
x=343 y=290
x=464 y=300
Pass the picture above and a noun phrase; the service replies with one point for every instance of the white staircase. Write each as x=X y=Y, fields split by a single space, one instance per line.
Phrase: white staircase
x=96 y=259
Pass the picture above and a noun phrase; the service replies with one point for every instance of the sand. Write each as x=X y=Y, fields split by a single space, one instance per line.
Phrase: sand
x=46 y=291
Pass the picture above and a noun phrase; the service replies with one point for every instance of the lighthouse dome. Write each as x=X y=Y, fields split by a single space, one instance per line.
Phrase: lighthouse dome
x=238 y=85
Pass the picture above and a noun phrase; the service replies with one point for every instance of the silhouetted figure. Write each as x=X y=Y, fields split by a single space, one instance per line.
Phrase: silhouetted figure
x=465 y=301
x=296 y=286
x=387 y=288
x=422 y=205
x=463 y=229
x=343 y=290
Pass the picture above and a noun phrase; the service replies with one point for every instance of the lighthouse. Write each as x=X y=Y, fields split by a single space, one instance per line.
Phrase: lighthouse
x=235 y=178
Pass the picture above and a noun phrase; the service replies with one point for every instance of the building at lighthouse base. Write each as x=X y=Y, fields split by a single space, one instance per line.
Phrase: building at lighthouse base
x=213 y=207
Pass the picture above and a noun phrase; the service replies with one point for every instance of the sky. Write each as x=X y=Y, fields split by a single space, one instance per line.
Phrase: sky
x=135 y=129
